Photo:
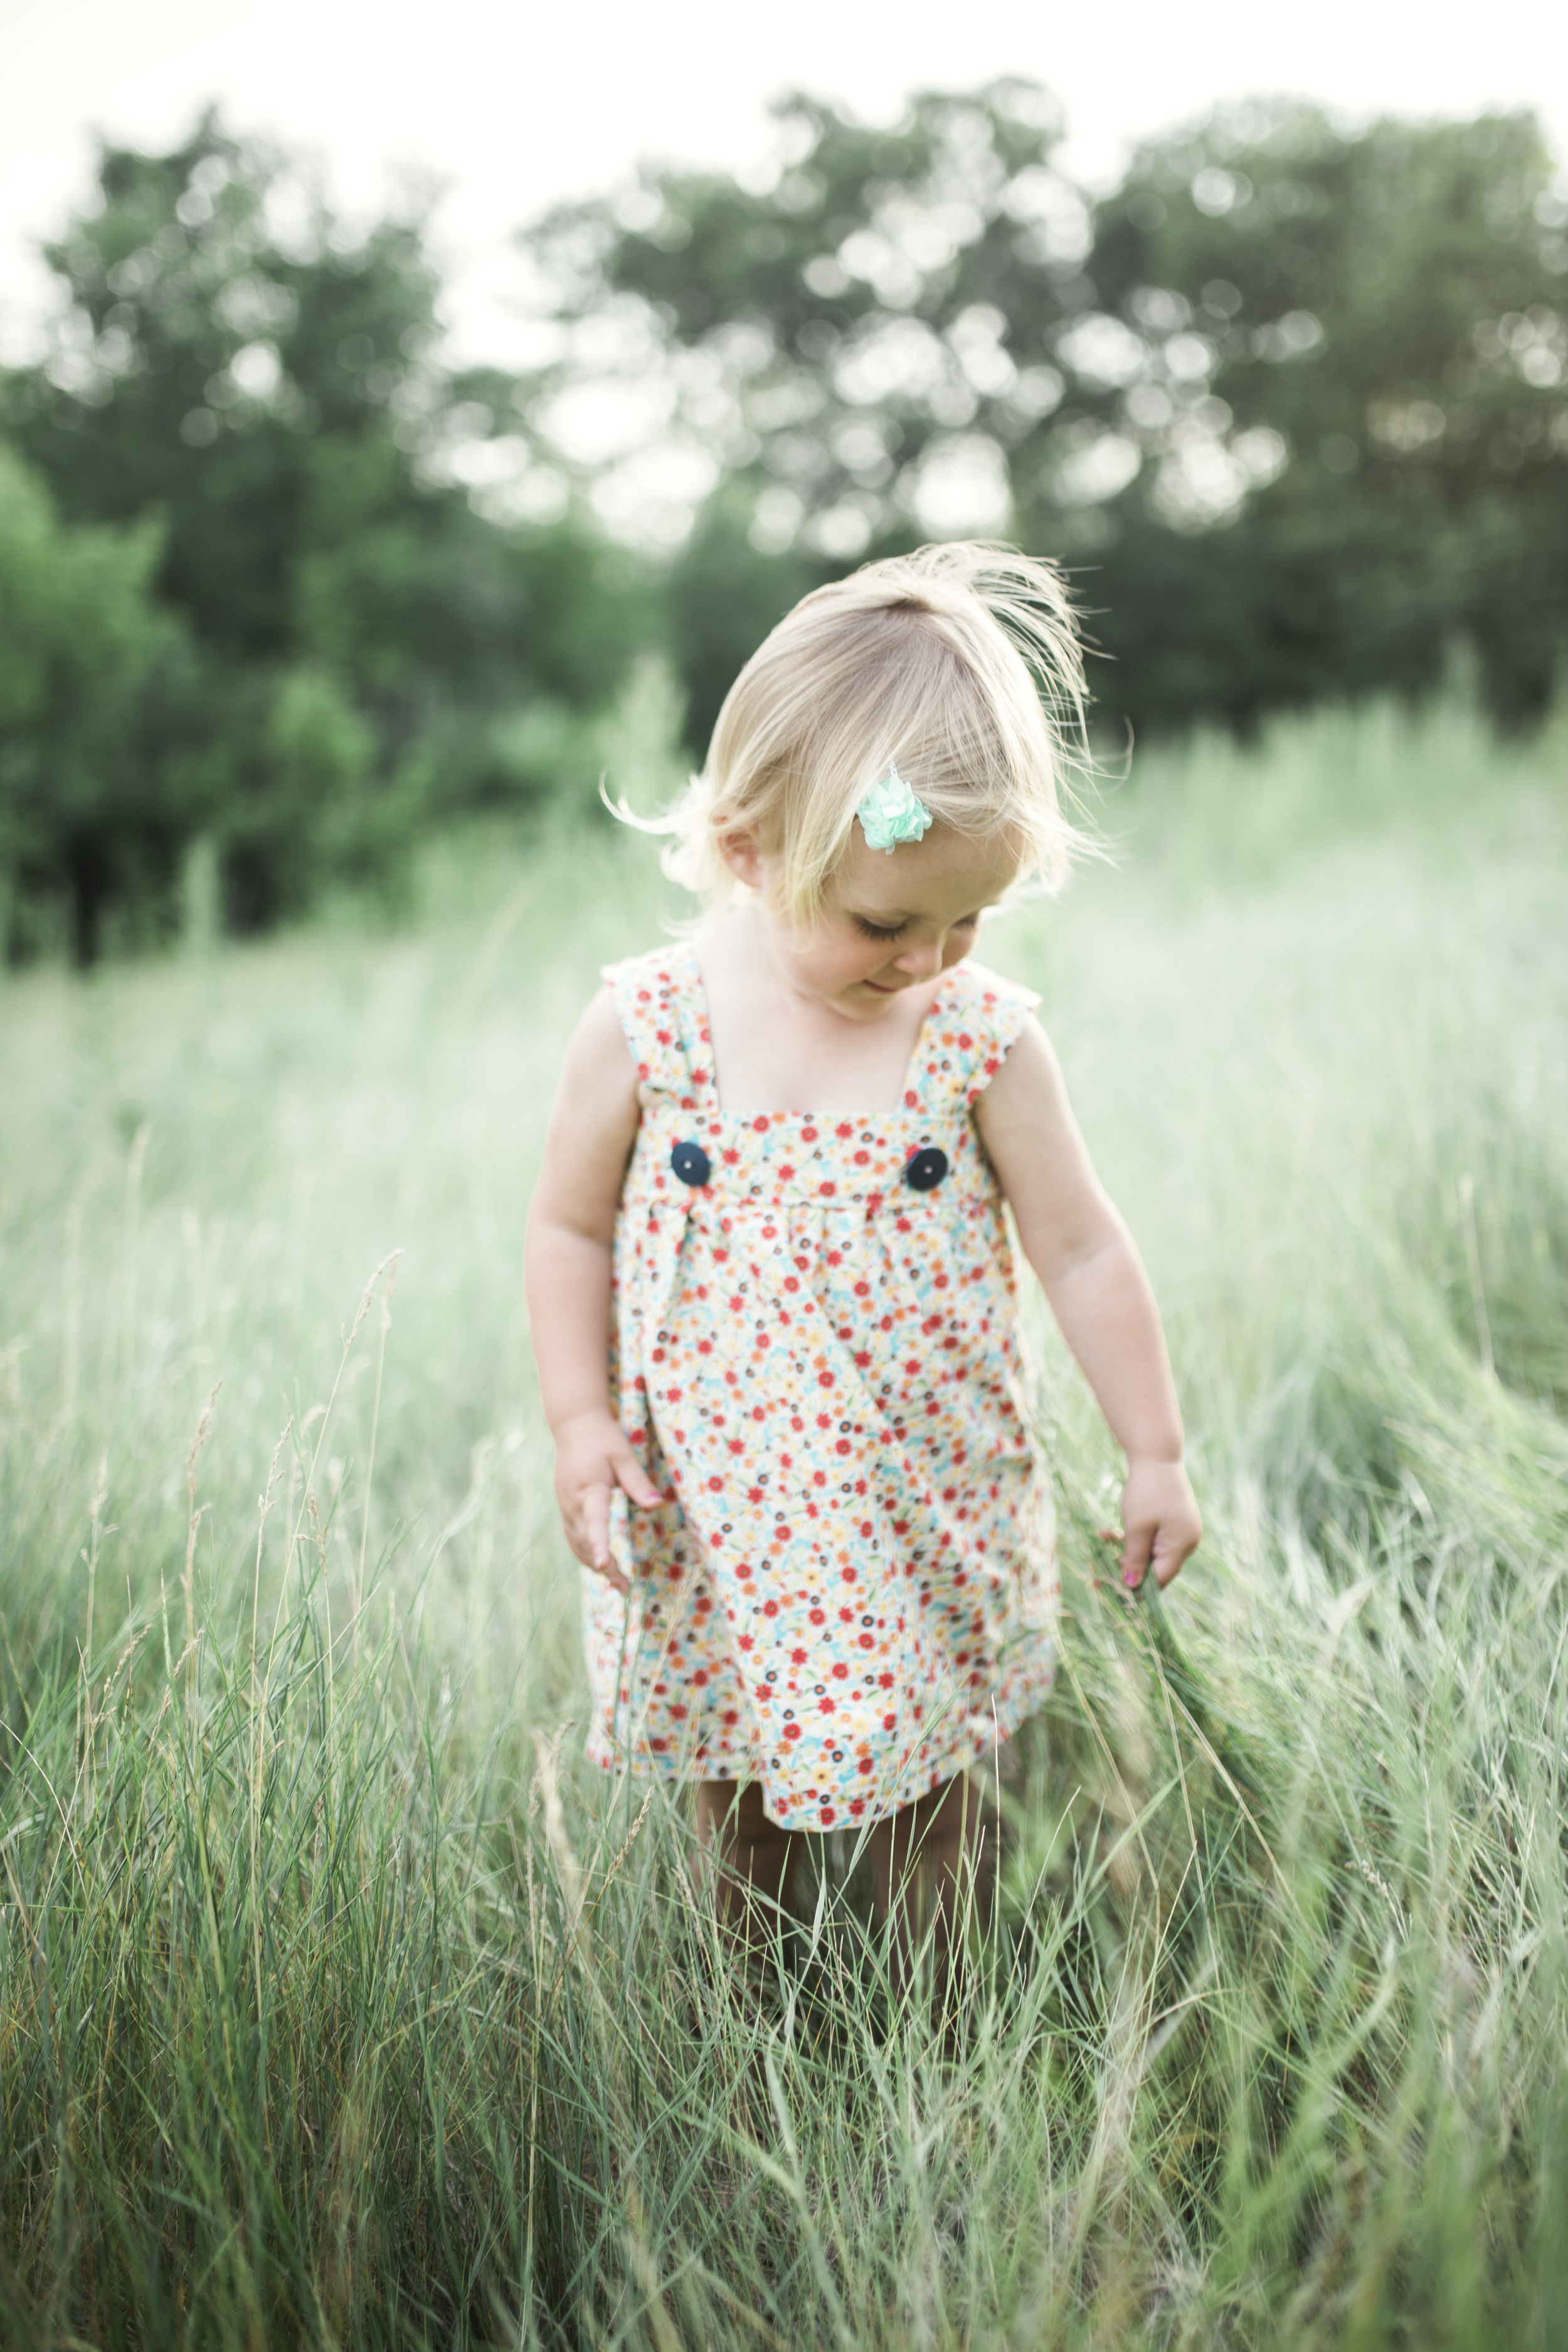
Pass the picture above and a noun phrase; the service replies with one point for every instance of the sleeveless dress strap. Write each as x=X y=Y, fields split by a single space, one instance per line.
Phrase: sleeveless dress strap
x=659 y=1001
x=977 y=1016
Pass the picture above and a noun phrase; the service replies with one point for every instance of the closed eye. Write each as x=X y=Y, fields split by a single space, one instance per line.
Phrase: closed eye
x=870 y=930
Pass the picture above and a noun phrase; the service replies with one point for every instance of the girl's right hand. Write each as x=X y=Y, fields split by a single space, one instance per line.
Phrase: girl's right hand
x=592 y=1457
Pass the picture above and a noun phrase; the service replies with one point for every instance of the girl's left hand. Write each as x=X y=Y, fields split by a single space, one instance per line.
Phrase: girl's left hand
x=1160 y=1519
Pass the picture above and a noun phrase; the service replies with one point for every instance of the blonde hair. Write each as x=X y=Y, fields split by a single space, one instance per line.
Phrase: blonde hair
x=960 y=662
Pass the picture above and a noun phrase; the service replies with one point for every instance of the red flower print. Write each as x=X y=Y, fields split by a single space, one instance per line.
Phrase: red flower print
x=741 y=1408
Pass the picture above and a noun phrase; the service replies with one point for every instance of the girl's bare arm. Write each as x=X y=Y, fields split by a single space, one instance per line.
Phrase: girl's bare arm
x=1092 y=1275
x=571 y=1231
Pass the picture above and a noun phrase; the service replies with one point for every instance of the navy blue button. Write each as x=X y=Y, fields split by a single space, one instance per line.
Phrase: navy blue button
x=926 y=1170
x=692 y=1164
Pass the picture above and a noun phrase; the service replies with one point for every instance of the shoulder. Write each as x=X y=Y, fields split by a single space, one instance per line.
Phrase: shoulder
x=986 y=995
x=599 y=1046
x=650 y=988
x=593 y=1126
x=657 y=1000
x=641 y=983
x=980 y=1016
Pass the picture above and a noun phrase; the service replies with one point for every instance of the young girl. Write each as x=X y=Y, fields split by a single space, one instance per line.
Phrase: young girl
x=769 y=1271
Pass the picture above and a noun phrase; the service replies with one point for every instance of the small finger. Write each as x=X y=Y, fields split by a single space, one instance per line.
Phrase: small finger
x=596 y=1526
x=1135 y=1556
x=1169 y=1558
x=636 y=1482
x=594 y=1550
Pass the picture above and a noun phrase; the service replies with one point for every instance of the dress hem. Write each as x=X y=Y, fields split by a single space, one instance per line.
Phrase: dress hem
x=1006 y=1721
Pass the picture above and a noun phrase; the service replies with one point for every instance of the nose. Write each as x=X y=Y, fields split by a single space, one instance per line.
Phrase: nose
x=920 y=960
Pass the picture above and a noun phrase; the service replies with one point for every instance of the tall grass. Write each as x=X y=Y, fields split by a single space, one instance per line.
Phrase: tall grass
x=340 y=2003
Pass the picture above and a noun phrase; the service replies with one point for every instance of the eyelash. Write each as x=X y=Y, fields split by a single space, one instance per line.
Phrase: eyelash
x=884 y=931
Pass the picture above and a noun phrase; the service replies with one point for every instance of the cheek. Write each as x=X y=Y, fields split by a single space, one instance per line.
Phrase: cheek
x=846 y=955
x=858 y=961
x=832 y=963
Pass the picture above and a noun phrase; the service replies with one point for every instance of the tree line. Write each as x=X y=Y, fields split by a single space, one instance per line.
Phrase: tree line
x=276 y=577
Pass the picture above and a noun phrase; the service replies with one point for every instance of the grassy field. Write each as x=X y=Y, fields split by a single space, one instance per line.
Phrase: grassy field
x=340 y=2003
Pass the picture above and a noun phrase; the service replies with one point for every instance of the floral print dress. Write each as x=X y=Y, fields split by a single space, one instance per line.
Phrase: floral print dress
x=849 y=1592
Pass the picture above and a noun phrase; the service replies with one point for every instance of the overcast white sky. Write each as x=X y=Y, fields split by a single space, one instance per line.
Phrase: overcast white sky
x=512 y=106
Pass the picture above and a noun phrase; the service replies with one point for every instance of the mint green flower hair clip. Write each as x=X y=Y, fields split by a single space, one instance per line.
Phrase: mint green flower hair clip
x=890 y=814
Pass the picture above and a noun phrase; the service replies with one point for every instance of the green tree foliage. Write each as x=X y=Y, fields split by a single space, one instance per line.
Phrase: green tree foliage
x=98 y=784
x=722 y=594
x=1346 y=376
x=859 y=313
x=838 y=346
x=228 y=360
x=1291 y=400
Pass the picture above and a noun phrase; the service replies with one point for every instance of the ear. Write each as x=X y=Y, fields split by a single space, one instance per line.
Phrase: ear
x=739 y=847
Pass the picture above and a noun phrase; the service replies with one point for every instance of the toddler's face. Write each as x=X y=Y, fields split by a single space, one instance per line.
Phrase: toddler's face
x=889 y=922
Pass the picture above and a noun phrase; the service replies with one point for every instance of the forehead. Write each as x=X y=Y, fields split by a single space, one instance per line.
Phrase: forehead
x=946 y=874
